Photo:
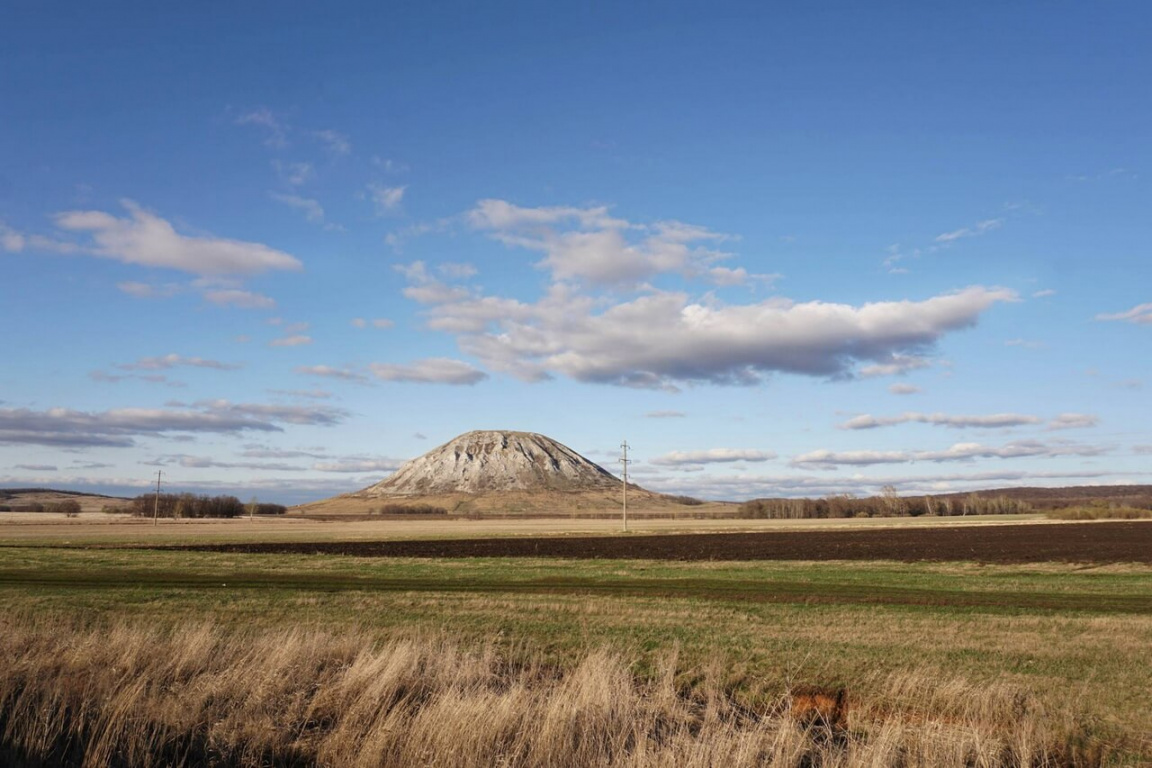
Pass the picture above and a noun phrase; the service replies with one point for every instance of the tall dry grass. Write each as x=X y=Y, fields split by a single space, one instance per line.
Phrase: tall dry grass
x=1100 y=512
x=133 y=695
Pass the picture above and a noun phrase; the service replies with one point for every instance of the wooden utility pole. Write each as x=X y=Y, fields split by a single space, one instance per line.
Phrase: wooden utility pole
x=625 y=461
x=156 y=506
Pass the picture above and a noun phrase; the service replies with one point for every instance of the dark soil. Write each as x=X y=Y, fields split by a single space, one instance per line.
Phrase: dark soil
x=1099 y=542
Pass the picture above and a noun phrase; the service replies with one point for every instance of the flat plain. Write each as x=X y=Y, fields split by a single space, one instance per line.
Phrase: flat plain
x=1053 y=650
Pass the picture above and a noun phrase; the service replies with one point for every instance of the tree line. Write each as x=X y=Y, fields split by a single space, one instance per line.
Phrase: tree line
x=887 y=504
x=191 y=505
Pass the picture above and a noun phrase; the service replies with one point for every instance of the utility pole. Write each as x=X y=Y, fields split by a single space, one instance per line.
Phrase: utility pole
x=156 y=506
x=625 y=461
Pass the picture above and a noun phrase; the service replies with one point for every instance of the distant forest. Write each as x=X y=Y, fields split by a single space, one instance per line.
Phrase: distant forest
x=1002 y=501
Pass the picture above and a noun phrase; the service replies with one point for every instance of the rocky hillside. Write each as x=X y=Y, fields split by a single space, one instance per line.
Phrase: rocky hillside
x=485 y=461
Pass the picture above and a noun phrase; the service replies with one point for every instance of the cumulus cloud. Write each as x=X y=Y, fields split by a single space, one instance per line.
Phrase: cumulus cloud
x=146 y=239
x=990 y=421
x=903 y=389
x=664 y=338
x=234 y=297
x=712 y=456
x=118 y=427
x=176 y=361
x=432 y=370
x=825 y=459
x=1141 y=314
x=589 y=245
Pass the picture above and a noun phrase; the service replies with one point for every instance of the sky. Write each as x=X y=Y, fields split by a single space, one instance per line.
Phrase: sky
x=277 y=249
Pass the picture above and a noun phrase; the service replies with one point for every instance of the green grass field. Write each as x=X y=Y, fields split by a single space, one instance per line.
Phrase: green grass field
x=1078 y=638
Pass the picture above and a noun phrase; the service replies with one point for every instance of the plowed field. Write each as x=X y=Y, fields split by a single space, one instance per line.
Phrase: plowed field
x=1110 y=542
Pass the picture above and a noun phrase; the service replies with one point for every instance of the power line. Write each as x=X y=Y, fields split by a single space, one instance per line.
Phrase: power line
x=156 y=506
x=625 y=461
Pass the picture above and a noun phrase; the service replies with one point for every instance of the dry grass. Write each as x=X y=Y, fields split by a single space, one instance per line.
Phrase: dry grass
x=135 y=695
x=1100 y=513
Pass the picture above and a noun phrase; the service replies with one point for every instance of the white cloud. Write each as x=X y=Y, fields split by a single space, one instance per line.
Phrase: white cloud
x=979 y=228
x=291 y=341
x=336 y=143
x=359 y=465
x=328 y=372
x=231 y=297
x=1074 y=421
x=208 y=462
x=745 y=486
x=293 y=174
x=147 y=291
x=385 y=199
x=895 y=365
x=586 y=244
x=1141 y=314
x=712 y=456
x=311 y=209
x=432 y=370
x=665 y=414
x=11 y=240
x=1044 y=293
x=275 y=136
x=663 y=339
x=904 y=389
x=176 y=361
x=1025 y=344
x=825 y=459
x=118 y=427
x=146 y=239
x=315 y=394
x=456 y=271
x=379 y=322
x=990 y=421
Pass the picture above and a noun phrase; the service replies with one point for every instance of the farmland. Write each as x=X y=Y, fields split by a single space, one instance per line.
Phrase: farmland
x=1058 y=639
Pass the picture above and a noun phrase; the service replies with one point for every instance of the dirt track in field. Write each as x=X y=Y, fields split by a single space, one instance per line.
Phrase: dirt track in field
x=1108 y=542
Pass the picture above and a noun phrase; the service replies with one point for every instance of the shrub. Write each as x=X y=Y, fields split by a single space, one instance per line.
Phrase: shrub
x=68 y=508
x=411 y=509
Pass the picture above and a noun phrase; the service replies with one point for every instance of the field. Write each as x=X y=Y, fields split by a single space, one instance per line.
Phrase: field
x=531 y=652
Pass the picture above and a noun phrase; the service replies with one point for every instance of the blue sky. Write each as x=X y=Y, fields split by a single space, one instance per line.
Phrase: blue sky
x=277 y=249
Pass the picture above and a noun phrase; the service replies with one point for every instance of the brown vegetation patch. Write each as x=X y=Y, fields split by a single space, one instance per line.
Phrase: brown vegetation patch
x=131 y=695
x=1111 y=542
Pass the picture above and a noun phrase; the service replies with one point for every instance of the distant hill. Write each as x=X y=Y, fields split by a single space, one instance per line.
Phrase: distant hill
x=29 y=499
x=502 y=472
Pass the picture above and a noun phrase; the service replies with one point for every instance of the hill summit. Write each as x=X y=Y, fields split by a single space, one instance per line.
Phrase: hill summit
x=495 y=460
